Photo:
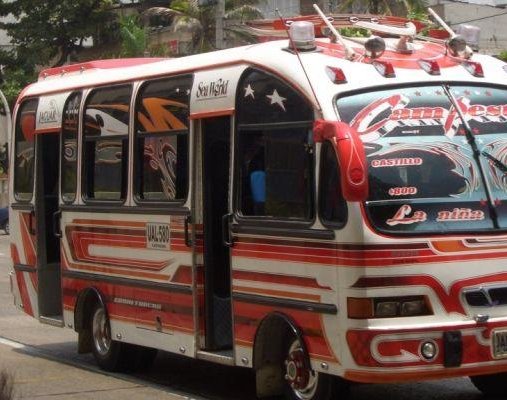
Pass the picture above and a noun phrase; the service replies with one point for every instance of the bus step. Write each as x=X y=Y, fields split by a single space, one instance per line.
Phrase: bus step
x=55 y=320
x=225 y=357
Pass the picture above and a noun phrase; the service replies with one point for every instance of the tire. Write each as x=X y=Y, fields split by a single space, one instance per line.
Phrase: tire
x=109 y=354
x=302 y=383
x=494 y=385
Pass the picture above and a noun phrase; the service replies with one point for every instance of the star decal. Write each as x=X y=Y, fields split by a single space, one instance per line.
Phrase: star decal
x=249 y=91
x=277 y=99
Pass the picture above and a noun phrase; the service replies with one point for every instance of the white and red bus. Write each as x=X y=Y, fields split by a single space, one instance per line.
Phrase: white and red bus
x=323 y=212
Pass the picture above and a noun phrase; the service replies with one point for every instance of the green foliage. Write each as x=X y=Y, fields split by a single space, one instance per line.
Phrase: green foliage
x=15 y=79
x=46 y=32
x=503 y=55
x=355 y=32
x=133 y=37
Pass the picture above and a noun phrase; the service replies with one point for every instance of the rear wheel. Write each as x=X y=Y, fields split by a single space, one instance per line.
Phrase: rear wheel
x=303 y=383
x=108 y=353
x=494 y=385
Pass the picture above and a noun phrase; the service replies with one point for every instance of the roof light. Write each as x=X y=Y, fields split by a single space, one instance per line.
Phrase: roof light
x=384 y=68
x=474 y=68
x=336 y=75
x=430 y=66
x=457 y=46
x=302 y=34
x=375 y=47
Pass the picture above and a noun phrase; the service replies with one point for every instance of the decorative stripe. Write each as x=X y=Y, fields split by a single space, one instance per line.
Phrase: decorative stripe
x=286 y=303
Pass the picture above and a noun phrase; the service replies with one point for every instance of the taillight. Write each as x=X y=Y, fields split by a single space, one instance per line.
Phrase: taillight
x=388 y=307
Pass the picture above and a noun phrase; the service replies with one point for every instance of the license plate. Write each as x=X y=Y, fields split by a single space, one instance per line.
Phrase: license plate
x=500 y=344
x=158 y=236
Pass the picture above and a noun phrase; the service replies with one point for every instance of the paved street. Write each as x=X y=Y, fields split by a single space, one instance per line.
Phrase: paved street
x=45 y=365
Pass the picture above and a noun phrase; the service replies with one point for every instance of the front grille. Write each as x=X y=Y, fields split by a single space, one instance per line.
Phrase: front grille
x=486 y=297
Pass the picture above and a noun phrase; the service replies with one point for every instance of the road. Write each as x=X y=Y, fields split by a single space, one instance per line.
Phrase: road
x=45 y=365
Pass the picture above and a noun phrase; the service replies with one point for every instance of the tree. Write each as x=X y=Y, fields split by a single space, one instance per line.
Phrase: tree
x=390 y=7
x=48 y=32
x=186 y=15
x=133 y=37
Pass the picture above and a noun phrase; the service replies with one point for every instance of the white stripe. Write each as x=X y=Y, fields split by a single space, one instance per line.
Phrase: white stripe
x=10 y=343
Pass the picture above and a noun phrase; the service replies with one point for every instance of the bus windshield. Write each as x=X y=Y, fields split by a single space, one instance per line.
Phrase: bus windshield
x=422 y=173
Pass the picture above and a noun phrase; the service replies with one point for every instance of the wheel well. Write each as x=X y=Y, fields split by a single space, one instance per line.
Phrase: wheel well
x=269 y=348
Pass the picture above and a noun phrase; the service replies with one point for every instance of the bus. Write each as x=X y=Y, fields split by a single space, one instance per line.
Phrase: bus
x=320 y=210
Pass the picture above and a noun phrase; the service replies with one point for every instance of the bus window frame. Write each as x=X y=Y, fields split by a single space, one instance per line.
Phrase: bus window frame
x=270 y=221
x=15 y=144
x=62 y=149
x=136 y=134
x=83 y=184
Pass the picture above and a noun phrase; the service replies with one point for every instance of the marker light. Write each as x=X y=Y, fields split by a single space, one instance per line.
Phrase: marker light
x=384 y=68
x=457 y=46
x=302 y=34
x=429 y=350
x=430 y=66
x=336 y=75
x=375 y=47
x=474 y=68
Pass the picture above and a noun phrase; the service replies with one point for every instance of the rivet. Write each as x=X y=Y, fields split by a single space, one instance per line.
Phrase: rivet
x=324 y=366
x=182 y=350
x=244 y=360
x=118 y=336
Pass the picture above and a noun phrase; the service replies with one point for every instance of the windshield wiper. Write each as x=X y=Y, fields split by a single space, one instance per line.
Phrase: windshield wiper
x=496 y=162
x=476 y=153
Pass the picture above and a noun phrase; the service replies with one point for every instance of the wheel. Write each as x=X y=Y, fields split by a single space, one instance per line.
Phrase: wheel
x=303 y=383
x=109 y=354
x=491 y=385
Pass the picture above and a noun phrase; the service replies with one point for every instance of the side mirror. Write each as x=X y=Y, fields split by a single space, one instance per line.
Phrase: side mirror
x=351 y=156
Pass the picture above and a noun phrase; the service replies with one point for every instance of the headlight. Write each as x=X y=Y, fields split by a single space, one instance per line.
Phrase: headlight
x=388 y=307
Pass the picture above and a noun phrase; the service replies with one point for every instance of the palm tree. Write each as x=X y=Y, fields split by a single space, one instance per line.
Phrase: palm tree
x=187 y=15
x=389 y=7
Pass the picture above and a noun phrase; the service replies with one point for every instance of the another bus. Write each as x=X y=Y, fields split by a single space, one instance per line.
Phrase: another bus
x=321 y=211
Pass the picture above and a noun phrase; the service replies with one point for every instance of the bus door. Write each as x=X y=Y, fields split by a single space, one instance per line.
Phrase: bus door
x=46 y=227
x=215 y=299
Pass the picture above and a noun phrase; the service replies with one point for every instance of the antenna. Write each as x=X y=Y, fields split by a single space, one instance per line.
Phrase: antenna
x=299 y=59
x=456 y=44
x=350 y=54
x=442 y=23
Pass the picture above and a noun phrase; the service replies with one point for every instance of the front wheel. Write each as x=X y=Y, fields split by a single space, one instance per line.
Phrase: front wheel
x=493 y=385
x=303 y=383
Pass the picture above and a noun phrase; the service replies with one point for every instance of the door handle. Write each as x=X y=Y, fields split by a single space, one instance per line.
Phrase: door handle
x=57 y=230
x=31 y=219
x=188 y=241
x=226 y=230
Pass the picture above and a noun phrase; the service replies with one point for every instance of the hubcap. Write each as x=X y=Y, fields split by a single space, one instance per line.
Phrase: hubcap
x=101 y=332
x=301 y=379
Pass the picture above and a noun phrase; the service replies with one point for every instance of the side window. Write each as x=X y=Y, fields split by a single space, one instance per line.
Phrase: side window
x=275 y=149
x=24 y=151
x=332 y=205
x=161 y=140
x=105 y=142
x=70 y=124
